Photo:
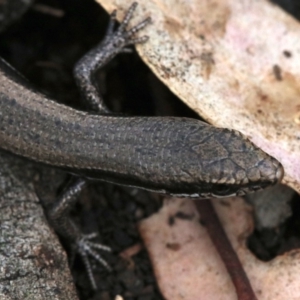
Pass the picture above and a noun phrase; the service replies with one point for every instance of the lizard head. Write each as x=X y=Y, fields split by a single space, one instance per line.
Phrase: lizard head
x=223 y=162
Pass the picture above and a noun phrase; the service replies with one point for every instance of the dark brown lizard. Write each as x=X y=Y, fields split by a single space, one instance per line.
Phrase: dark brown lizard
x=177 y=156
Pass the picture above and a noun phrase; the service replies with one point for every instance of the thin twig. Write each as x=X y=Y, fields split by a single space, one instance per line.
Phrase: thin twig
x=228 y=255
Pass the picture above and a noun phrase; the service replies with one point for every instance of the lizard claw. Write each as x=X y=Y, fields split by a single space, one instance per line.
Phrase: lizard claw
x=85 y=248
x=122 y=38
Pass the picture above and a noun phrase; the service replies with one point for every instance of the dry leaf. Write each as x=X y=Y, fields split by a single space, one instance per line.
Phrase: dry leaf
x=236 y=63
x=187 y=265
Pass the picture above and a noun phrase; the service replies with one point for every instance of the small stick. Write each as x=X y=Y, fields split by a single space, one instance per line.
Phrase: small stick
x=231 y=261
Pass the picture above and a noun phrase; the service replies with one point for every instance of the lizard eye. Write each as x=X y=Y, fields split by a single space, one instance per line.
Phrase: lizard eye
x=222 y=190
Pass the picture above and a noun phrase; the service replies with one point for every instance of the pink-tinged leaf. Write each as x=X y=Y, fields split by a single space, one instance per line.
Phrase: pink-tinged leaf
x=236 y=63
x=187 y=265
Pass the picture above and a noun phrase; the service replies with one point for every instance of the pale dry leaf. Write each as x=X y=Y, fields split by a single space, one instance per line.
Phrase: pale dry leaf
x=236 y=63
x=187 y=265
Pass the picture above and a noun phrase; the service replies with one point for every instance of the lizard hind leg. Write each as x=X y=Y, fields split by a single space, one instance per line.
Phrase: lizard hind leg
x=81 y=244
x=85 y=248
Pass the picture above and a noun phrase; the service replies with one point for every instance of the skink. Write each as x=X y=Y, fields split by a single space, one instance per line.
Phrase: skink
x=178 y=156
x=174 y=155
x=164 y=154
